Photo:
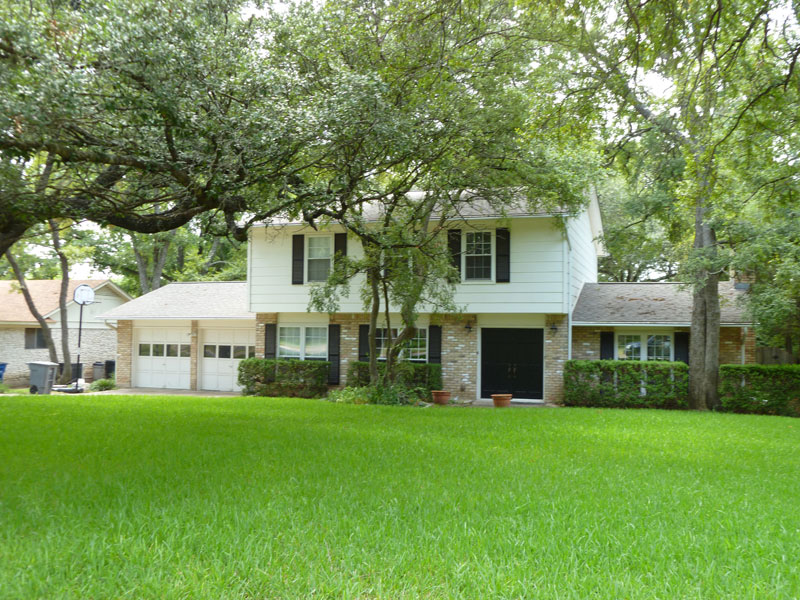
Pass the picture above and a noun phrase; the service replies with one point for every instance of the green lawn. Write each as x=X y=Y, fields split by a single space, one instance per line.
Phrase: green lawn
x=169 y=497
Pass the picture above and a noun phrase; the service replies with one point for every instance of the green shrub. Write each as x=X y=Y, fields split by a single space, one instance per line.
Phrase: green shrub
x=425 y=376
x=4 y=388
x=274 y=377
x=396 y=394
x=100 y=385
x=626 y=384
x=760 y=389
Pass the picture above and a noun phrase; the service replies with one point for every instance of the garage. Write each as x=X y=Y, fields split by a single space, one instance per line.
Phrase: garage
x=162 y=357
x=221 y=351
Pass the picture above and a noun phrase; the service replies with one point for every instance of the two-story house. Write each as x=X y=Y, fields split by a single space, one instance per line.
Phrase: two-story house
x=522 y=276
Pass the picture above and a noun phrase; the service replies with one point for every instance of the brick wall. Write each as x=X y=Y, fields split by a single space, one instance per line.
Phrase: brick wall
x=261 y=320
x=586 y=343
x=348 y=342
x=96 y=345
x=124 y=353
x=193 y=355
x=459 y=356
x=555 y=355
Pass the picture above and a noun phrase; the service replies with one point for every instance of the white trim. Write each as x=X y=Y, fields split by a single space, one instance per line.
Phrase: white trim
x=303 y=327
x=643 y=333
x=307 y=257
x=114 y=288
x=492 y=257
x=479 y=354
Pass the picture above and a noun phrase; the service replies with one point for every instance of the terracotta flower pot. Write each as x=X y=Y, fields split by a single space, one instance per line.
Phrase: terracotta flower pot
x=440 y=397
x=501 y=400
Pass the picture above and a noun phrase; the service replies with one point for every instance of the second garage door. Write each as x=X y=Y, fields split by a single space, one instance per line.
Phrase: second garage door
x=221 y=351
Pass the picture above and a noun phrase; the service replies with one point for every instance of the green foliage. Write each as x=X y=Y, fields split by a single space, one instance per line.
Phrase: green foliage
x=4 y=388
x=620 y=384
x=385 y=394
x=760 y=389
x=293 y=378
x=100 y=385
x=422 y=376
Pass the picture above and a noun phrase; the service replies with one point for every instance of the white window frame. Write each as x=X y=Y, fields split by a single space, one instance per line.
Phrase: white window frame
x=401 y=357
x=302 y=342
x=643 y=337
x=493 y=256
x=307 y=256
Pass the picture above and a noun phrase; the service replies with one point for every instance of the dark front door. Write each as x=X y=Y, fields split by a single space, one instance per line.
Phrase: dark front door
x=512 y=362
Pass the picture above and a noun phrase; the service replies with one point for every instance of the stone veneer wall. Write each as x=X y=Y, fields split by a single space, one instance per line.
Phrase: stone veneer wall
x=96 y=345
x=124 y=353
x=555 y=355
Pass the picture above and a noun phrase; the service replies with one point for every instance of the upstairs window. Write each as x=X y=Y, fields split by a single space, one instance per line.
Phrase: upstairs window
x=34 y=340
x=320 y=256
x=478 y=256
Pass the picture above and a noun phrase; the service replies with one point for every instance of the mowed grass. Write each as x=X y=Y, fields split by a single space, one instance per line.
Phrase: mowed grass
x=169 y=497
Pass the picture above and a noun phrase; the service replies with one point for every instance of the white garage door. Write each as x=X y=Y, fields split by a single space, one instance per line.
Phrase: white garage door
x=162 y=357
x=221 y=351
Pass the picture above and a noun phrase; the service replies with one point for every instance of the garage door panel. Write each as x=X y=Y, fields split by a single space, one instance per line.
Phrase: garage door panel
x=221 y=352
x=162 y=357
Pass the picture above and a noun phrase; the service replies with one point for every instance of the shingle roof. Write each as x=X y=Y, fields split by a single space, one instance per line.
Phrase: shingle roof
x=188 y=300
x=44 y=292
x=645 y=303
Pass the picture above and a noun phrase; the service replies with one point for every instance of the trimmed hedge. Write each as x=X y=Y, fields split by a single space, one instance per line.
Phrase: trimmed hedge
x=427 y=376
x=626 y=384
x=293 y=378
x=760 y=389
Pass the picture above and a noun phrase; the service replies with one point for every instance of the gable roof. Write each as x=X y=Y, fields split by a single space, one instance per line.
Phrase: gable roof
x=651 y=304
x=188 y=300
x=45 y=293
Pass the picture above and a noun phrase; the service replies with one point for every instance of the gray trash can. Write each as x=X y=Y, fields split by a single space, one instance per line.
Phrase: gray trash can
x=43 y=375
x=98 y=371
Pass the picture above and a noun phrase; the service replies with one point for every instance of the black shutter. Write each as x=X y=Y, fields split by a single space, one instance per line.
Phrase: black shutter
x=363 y=343
x=270 y=340
x=502 y=256
x=298 y=248
x=333 y=353
x=682 y=346
x=340 y=244
x=607 y=345
x=454 y=244
x=435 y=344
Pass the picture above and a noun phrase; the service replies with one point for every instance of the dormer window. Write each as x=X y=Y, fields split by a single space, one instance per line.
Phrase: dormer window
x=320 y=256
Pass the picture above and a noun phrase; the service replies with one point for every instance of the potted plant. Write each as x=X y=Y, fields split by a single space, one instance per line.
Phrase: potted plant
x=501 y=400
x=440 y=397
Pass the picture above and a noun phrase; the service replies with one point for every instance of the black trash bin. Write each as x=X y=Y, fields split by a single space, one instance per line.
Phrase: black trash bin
x=98 y=370
x=111 y=367
x=77 y=370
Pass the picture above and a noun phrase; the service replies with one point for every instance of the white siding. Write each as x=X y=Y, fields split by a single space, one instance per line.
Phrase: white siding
x=538 y=271
x=584 y=255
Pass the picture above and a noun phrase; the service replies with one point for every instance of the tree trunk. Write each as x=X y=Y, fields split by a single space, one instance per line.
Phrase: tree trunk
x=704 y=339
x=66 y=375
x=374 y=376
x=48 y=337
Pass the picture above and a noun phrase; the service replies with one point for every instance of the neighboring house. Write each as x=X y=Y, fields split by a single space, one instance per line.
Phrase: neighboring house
x=521 y=277
x=21 y=338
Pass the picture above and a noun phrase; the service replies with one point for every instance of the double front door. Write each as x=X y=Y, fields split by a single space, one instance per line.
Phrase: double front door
x=512 y=362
